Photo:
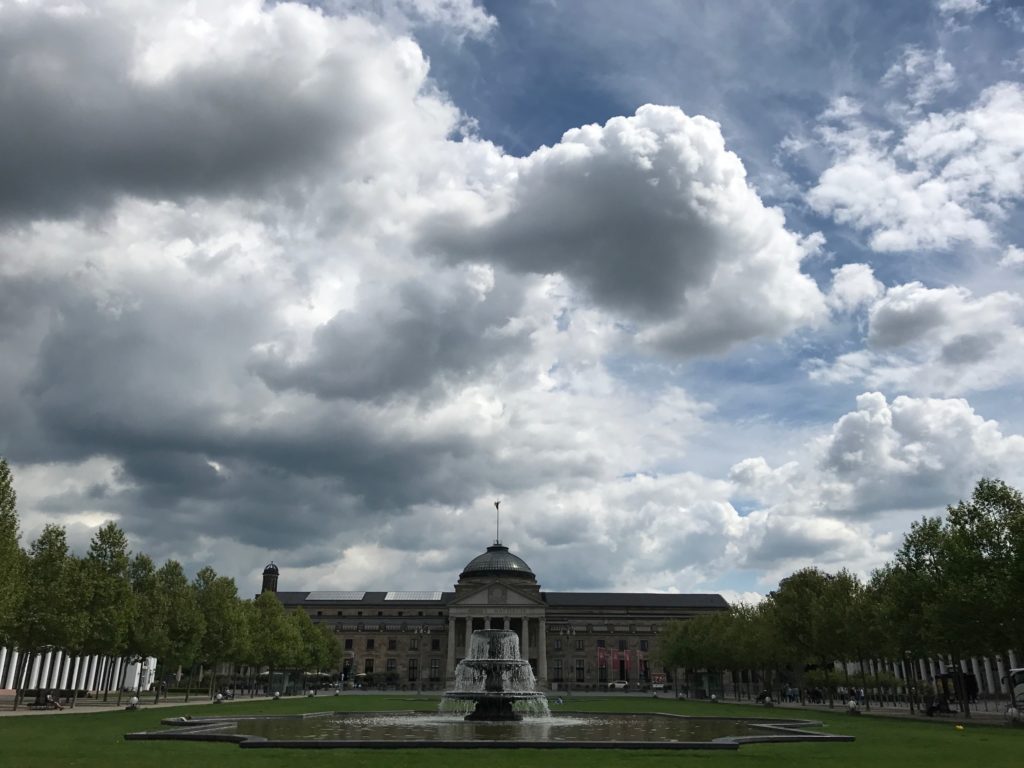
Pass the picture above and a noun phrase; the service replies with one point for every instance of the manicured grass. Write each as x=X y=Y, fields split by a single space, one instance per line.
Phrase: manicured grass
x=96 y=740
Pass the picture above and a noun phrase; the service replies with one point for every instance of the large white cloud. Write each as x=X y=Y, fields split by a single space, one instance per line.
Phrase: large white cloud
x=950 y=177
x=654 y=218
x=930 y=340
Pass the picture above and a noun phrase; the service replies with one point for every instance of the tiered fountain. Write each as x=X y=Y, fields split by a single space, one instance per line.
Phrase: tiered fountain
x=496 y=679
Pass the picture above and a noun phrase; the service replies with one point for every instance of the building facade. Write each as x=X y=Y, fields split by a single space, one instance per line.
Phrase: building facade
x=415 y=639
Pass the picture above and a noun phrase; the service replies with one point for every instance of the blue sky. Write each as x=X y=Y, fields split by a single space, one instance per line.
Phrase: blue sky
x=705 y=292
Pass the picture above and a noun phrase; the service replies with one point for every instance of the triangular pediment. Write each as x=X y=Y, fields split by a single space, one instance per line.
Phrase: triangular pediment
x=496 y=594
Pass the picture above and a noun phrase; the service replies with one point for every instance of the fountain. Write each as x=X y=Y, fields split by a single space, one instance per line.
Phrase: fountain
x=494 y=680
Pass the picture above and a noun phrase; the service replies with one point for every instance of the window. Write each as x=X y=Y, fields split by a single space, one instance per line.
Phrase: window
x=579 y=671
x=380 y=613
x=391 y=665
x=579 y=644
x=414 y=670
x=557 y=674
x=319 y=613
x=414 y=643
x=558 y=644
x=392 y=644
x=622 y=645
x=369 y=643
x=643 y=645
x=600 y=643
x=368 y=666
x=435 y=670
x=435 y=644
x=341 y=613
x=348 y=643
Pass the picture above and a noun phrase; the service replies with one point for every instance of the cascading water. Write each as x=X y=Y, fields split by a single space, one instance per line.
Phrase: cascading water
x=493 y=682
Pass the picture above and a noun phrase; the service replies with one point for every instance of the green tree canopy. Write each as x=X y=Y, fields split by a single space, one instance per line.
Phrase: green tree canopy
x=12 y=559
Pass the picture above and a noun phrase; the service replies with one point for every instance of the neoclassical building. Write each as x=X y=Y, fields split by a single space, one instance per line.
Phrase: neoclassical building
x=572 y=639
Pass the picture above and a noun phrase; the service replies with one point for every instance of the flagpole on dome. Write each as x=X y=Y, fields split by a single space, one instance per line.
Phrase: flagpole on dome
x=497 y=523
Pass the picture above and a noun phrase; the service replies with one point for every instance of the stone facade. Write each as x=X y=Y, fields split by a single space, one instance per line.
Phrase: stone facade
x=581 y=640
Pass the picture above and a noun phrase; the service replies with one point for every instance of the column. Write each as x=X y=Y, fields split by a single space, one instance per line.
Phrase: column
x=44 y=671
x=924 y=677
x=1001 y=668
x=469 y=633
x=526 y=638
x=542 y=651
x=450 y=663
x=8 y=681
x=93 y=660
x=989 y=685
x=53 y=679
x=81 y=664
x=976 y=670
x=1013 y=659
x=63 y=682
x=33 y=675
x=117 y=674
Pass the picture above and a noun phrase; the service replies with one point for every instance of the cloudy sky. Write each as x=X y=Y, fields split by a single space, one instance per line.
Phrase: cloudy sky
x=704 y=292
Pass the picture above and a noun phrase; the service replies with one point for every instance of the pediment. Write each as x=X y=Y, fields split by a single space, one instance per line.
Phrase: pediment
x=496 y=594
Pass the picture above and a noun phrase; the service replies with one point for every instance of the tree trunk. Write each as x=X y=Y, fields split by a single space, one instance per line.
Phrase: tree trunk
x=188 y=686
x=864 y=686
x=18 y=672
x=961 y=689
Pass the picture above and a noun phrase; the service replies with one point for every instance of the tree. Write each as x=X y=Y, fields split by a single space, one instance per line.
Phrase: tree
x=274 y=636
x=184 y=619
x=147 y=634
x=12 y=559
x=217 y=598
x=807 y=612
x=107 y=594
x=51 y=615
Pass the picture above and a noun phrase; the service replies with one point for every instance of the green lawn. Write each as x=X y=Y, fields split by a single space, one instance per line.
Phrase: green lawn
x=97 y=740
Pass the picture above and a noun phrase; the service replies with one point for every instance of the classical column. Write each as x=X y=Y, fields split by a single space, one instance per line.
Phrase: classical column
x=542 y=652
x=1013 y=659
x=525 y=650
x=987 y=666
x=63 y=682
x=1001 y=668
x=469 y=634
x=925 y=676
x=33 y=675
x=93 y=661
x=450 y=664
x=3 y=660
x=8 y=680
x=976 y=669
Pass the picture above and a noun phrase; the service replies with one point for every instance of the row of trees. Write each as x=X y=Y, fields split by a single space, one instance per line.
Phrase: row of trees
x=952 y=591
x=115 y=604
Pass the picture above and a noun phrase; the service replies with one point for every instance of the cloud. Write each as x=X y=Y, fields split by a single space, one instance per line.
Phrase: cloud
x=654 y=219
x=950 y=177
x=172 y=100
x=935 y=341
x=925 y=74
x=852 y=286
x=1013 y=256
x=967 y=8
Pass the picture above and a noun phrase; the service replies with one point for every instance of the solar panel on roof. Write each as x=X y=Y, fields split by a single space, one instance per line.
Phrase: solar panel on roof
x=413 y=596
x=333 y=595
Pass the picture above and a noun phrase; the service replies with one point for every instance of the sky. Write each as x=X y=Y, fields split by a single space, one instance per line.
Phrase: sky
x=703 y=292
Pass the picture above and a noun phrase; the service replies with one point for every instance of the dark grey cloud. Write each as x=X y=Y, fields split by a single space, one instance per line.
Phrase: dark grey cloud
x=84 y=123
x=404 y=340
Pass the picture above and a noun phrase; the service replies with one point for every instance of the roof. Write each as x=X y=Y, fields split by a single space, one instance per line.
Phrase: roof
x=497 y=561
x=390 y=599
x=634 y=600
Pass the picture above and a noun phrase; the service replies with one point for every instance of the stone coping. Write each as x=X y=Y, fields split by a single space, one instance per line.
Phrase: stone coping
x=208 y=729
